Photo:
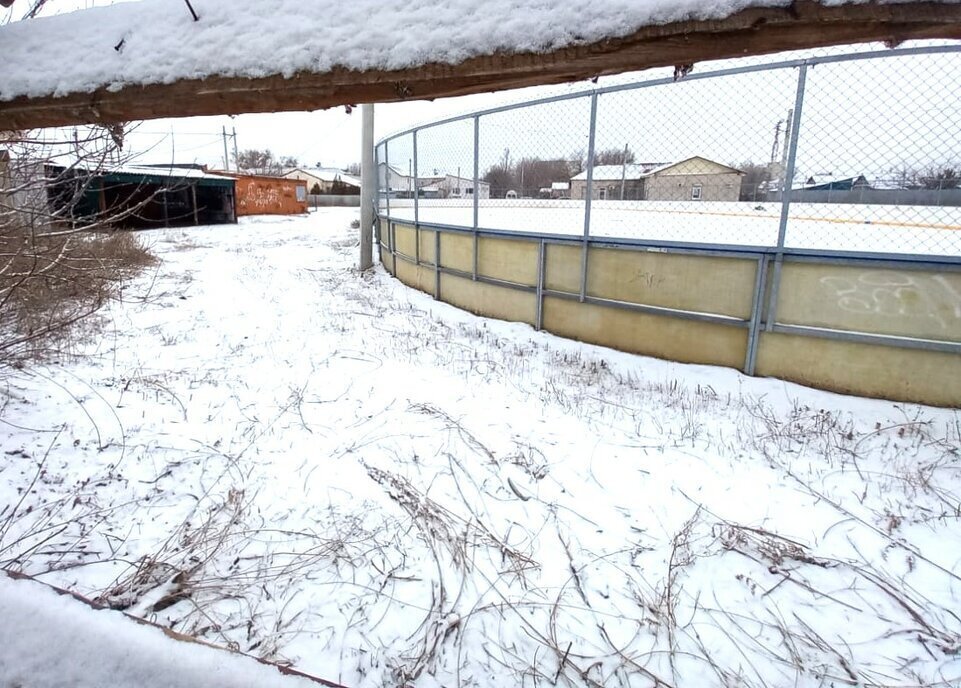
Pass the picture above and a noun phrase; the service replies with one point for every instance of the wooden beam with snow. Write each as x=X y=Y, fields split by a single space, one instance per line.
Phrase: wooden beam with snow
x=804 y=24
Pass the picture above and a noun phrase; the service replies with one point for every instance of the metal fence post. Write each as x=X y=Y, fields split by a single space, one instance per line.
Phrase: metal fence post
x=588 y=193
x=413 y=184
x=539 y=307
x=786 y=186
x=757 y=308
x=377 y=200
x=437 y=263
x=476 y=190
x=387 y=180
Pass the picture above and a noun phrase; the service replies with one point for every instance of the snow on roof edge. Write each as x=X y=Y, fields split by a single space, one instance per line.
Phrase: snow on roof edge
x=157 y=42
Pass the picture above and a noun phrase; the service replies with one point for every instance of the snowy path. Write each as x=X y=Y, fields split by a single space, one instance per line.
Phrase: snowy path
x=270 y=451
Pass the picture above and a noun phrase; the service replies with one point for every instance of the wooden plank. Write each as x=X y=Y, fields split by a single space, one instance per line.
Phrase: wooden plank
x=804 y=24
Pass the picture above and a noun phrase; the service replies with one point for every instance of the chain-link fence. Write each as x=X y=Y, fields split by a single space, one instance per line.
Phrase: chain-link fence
x=724 y=217
x=858 y=152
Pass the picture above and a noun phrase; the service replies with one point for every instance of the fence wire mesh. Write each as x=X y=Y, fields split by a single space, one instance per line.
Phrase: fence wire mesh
x=856 y=152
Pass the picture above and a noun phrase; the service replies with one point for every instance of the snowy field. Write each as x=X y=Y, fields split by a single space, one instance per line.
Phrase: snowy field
x=265 y=449
x=925 y=230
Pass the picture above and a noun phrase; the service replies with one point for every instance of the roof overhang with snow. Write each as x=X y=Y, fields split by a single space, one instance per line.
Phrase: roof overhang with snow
x=149 y=59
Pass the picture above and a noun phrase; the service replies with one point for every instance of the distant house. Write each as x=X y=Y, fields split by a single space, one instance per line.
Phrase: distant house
x=326 y=180
x=437 y=185
x=692 y=179
x=832 y=182
x=451 y=186
x=394 y=181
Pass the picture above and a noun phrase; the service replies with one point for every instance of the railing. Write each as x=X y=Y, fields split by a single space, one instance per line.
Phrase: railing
x=850 y=163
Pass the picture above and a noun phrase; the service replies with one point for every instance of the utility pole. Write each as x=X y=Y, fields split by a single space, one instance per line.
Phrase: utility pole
x=368 y=187
x=787 y=137
x=236 y=154
x=777 y=141
x=226 y=157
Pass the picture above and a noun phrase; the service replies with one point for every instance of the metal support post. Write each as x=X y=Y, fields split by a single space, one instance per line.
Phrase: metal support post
x=226 y=158
x=413 y=186
x=539 y=308
x=757 y=314
x=387 y=183
x=368 y=187
x=476 y=189
x=588 y=192
x=786 y=185
x=377 y=227
x=437 y=264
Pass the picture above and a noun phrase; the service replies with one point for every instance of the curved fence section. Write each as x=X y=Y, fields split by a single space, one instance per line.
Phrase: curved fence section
x=799 y=219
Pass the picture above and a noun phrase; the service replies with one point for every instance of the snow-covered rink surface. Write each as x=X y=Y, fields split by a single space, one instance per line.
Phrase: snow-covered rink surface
x=262 y=447
x=922 y=230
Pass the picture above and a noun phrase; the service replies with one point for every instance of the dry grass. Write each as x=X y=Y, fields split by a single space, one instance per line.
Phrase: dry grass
x=49 y=285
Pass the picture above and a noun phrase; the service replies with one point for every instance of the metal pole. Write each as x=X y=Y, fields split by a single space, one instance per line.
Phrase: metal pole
x=476 y=184
x=786 y=186
x=754 y=325
x=377 y=192
x=436 y=263
x=368 y=187
x=588 y=192
x=236 y=153
x=387 y=172
x=412 y=176
x=539 y=308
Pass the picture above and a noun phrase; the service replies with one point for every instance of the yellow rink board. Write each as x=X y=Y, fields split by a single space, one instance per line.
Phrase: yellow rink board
x=489 y=300
x=511 y=260
x=927 y=377
x=706 y=284
x=404 y=235
x=417 y=276
x=906 y=303
x=427 y=246
x=457 y=251
x=688 y=341
x=921 y=304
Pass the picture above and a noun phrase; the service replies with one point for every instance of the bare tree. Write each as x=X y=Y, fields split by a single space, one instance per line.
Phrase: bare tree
x=614 y=156
x=940 y=178
x=257 y=161
x=59 y=258
x=755 y=180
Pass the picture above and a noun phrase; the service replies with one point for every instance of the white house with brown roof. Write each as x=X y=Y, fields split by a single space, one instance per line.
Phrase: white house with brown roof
x=325 y=180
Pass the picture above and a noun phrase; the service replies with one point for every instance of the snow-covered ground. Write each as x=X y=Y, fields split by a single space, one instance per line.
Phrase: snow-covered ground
x=51 y=640
x=923 y=230
x=268 y=450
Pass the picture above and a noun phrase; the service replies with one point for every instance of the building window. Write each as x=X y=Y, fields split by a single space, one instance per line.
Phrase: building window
x=602 y=194
x=696 y=192
x=469 y=191
x=301 y=194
